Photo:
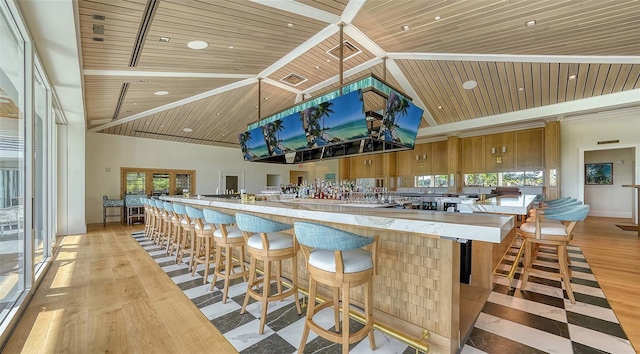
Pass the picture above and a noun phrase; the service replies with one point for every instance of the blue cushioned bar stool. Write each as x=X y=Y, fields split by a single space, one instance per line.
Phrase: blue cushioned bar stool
x=202 y=242
x=167 y=222
x=147 y=215
x=180 y=212
x=555 y=230
x=267 y=243
x=227 y=236
x=336 y=258
x=156 y=217
x=189 y=234
x=111 y=203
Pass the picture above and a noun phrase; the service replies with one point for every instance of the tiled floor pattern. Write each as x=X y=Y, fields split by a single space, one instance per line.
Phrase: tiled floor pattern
x=283 y=328
x=541 y=319
x=538 y=320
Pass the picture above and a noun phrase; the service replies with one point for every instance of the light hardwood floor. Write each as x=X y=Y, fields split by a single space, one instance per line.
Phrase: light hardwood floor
x=103 y=293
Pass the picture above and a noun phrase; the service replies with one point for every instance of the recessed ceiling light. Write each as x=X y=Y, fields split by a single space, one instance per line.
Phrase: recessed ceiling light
x=237 y=68
x=573 y=77
x=266 y=98
x=197 y=45
x=144 y=80
x=231 y=47
x=162 y=126
x=439 y=107
x=530 y=23
x=437 y=18
x=161 y=93
x=521 y=89
x=317 y=67
x=328 y=60
x=164 y=39
x=135 y=103
x=468 y=85
x=147 y=123
x=187 y=130
x=291 y=25
x=405 y=28
x=217 y=114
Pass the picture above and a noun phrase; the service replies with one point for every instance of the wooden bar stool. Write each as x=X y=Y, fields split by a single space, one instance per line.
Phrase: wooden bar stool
x=557 y=233
x=147 y=215
x=187 y=243
x=156 y=218
x=227 y=236
x=167 y=223
x=202 y=242
x=180 y=212
x=267 y=243
x=335 y=258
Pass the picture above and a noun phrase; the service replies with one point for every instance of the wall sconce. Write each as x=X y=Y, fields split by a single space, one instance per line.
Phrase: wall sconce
x=493 y=151
x=421 y=157
x=367 y=163
x=504 y=149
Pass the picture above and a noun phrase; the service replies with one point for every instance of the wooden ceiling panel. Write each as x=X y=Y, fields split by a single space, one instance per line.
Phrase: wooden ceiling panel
x=245 y=37
x=498 y=27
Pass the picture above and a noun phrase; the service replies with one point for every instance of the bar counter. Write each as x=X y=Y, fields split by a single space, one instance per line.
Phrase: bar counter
x=418 y=283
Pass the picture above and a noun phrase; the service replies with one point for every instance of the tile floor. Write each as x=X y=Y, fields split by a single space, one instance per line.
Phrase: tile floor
x=538 y=320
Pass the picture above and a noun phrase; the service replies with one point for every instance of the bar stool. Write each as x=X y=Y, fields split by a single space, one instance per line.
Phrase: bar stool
x=226 y=236
x=187 y=242
x=267 y=243
x=147 y=215
x=155 y=220
x=159 y=225
x=555 y=234
x=167 y=222
x=180 y=211
x=201 y=242
x=335 y=258
x=111 y=203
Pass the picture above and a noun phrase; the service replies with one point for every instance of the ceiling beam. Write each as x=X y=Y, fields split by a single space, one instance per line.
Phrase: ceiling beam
x=332 y=80
x=351 y=10
x=300 y=9
x=577 y=59
x=282 y=86
x=367 y=43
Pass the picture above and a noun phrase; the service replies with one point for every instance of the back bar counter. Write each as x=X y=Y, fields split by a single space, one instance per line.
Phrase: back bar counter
x=418 y=283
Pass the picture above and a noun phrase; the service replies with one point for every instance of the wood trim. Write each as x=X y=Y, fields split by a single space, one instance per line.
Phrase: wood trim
x=149 y=181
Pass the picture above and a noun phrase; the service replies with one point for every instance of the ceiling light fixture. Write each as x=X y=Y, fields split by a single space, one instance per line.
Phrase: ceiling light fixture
x=437 y=18
x=187 y=130
x=291 y=25
x=317 y=67
x=197 y=45
x=573 y=77
x=164 y=39
x=231 y=47
x=328 y=60
x=468 y=85
x=161 y=93
x=405 y=28
x=144 y=80
x=135 y=103
x=530 y=23
x=217 y=114
x=439 y=107
x=521 y=89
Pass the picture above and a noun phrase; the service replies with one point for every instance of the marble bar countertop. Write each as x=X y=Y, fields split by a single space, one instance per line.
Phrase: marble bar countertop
x=482 y=227
x=506 y=204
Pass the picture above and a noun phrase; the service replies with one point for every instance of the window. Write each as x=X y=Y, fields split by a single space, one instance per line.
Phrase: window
x=424 y=181
x=442 y=181
x=157 y=181
x=517 y=178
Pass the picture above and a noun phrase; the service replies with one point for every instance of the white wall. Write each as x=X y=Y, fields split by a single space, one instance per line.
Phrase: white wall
x=611 y=200
x=105 y=151
x=581 y=134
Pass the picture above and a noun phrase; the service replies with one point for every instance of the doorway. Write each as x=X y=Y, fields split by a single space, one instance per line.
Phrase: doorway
x=231 y=181
x=297 y=177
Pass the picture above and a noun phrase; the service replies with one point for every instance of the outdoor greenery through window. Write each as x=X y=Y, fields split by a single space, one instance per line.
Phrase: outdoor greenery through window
x=135 y=183
x=145 y=181
x=432 y=181
x=520 y=178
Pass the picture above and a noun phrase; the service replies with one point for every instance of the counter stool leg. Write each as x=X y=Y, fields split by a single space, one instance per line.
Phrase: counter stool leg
x=265 y=295
x=218 y=267
x=294 y=272
x=345 y=318
x=278 y=274
x=311 y=308
x=368 y=309
x=336 y=307
x=252 y=279
x=228 y=268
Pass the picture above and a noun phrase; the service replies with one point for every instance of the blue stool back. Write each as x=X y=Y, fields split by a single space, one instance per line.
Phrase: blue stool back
x=255 y=224
x=218 y=218
x=179 y=209
x=168 y=206
x=194 y=213
x=328 y=238
x=575 y=213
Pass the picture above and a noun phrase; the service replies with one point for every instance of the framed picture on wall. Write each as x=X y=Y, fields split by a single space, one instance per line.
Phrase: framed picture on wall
x=598 y=173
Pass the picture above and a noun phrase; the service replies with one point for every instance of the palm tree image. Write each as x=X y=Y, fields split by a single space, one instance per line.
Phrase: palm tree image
x=272 y=132
x=396 y=106
x=244 y=138
x=323 y=110
x=311 y=124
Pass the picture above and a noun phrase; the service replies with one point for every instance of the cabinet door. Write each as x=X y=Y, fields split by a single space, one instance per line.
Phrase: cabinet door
x=530 y=149
x=404 y=163
x=422 y=160
x=473 y=155
x=439 y=158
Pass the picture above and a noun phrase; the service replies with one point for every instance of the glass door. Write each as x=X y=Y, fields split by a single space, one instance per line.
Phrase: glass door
x=161 y=183
x=183 y=183
x=135 y=183
x=40 y=152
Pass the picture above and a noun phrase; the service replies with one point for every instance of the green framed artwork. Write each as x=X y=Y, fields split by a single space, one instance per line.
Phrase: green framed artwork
x=598 y=173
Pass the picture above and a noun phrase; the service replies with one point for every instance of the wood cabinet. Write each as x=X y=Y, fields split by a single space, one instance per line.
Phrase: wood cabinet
x=529 y=149
x=404 y=163
x=473 y=154
x=366 y=166
x=439 y=159
x=499 y=152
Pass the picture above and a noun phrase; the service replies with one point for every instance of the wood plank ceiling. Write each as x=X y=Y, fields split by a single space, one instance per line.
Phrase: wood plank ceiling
x=132 y=49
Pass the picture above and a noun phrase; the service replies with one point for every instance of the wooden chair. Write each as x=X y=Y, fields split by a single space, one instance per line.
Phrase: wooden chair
x=335 y=258
x=227 y=236
x=555 y=230
x=202 y=242
x=267 y=243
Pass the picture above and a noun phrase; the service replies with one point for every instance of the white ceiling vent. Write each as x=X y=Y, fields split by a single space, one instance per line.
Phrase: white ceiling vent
x=349 y=51
x=293 y=79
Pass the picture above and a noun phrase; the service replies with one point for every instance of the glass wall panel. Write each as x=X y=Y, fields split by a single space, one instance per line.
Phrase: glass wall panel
x=135 y=183
x=161 y=183
x=40 y=169
x=12 y=166
x=183 y=182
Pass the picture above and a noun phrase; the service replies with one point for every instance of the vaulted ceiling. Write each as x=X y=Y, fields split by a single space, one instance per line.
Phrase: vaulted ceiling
x=577 y=51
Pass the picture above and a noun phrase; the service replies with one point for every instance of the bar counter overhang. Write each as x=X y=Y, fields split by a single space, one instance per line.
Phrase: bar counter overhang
x=417 y=287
